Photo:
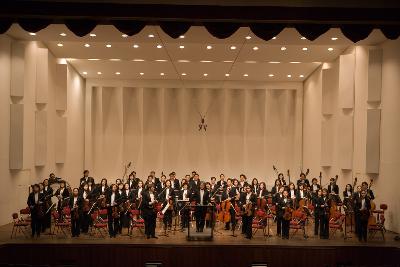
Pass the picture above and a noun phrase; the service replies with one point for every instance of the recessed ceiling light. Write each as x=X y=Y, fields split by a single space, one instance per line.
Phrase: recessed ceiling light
x=118 y=73
x=255 y=48
x=274 y=38
x=87 y=45
x=250 y=61
x=141 y=73
x=274 y=62
x=283 y=48
x=209 y=47
x=206 y=61
x=162 y=73
x=138 y=60
x=84 y=73
x=301 y=76
x=330 y=49
x=248 y=37
x=92 y=35
x=233 y=47
x=108 y=45
x=205 y=74
x=115 y=59
x=159 y=46
x=334 y=38
x=161 y=60
x=226 y=74
x=182 y=36
x=93 y=59
x=228 y=61
x=271 y=75
x=60 y=45
x=151 y=35
x=289 y=76
x=305 y=48
x=245 y=75
x=135 y=46
x=181 y=46
x=183 y=61
x=63 y=34
x=303 y=38
x=183 y=74
x=124 y=35
x=295 y=62
x=32 y=33
x=99 y=72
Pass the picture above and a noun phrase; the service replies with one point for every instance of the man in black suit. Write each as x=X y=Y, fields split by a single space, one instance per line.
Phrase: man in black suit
x=47 y=194
x=362 y=209
x=148 y=212
x=194 y=185
x=284 y=203
x=35 y=204
x=202 y=197
x=248 y=201
x=113 y=199
x=242 y=183
x=85 y=179
x=174 y=181
x=221 y=183
x=75 y=204
x=132 y=180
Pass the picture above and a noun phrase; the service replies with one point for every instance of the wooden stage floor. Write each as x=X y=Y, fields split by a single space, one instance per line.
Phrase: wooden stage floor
x=175 y=250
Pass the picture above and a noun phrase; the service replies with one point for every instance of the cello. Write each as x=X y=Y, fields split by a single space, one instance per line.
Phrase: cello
x=224 y=214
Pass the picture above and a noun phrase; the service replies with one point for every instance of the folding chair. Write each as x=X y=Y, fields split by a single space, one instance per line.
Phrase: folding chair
x=62 y=226
x=260 y=222
x=18 y=226
x=379 y=226
x=25 y=215
x=298 y=222
x=136 y=222
x=98 y=224
x=336 y=223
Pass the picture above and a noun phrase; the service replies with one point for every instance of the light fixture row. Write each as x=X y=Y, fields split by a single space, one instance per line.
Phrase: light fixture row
x=204 y=74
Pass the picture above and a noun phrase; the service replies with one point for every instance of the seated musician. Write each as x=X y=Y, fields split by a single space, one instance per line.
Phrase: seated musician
x=148 y=211
x=202 y=198
x=275 y=188
x=35 y=204
x=362 y=211
x=166 y=197
x=281 y=179
x=248 y=201
x=301 y=194
x=292 y=191
x=283 y=210
x=75 y=204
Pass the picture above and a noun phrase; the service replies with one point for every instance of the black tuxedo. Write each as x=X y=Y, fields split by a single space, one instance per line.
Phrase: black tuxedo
x=200 y=212
x=247 y=220
x=194 y=185
x=37 y=210
x=282 y=224
x=85 y=180
x=47 y=192
x=304 y=182
x=221 y=183
x=362 y=214
x=149 y=214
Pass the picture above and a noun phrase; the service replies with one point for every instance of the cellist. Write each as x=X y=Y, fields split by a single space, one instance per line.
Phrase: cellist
x=229 y=194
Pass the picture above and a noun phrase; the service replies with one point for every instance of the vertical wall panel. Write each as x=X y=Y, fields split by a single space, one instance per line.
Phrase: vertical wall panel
x=40 y=138
x=61 y=86
x=345 y=133
x=97 y=129
x=346 y=81
x=16 y=136
x=17 y=69
x=326 y=142
x=373 y=140
x=374 y=74
x=60 y=139
x=42 y=75
x=329 y=81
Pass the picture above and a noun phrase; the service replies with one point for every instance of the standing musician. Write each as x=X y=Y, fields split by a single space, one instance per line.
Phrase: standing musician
x=184 y=197
x=365 y=187
x=47 y=194
x=284 y=210
x=243 y=182
x=148 y=211
x=85 y=196
x=194 y=184
x=102 y=188
x=62 y=194
x=276 y=199
x=262 y=191
x=126 y=198
x=133 y=180
x=221 y=183
x=35 y=204
x=248 y=202
x=314 y=187
x=137 y=194
x=75 y=204
x=112 y=201
x=323 y=204
x=254 y=185
x=301 y=194
x=213 y=185
x=303 y=180
x=86 y=179
x=281 y=179
x=362 y=213
x=230 y=194
x=174 y=181
x=333 y=190
x=292 y=191
x=318 y=211
x=276 y=187
x=166 y=197
x=202 y=198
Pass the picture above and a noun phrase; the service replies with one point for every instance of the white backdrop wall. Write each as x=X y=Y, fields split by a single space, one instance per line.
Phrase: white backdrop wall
x=38 y=126
x=154 y=124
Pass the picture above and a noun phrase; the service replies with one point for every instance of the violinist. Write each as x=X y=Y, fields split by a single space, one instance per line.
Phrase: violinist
x=166 y=197
x=112 y=201
x=62 y=194
x=133 y=180
x=75 y=203
x=47 y=193
x=230 y=194
x=276 y=187
x=283 y=213
x=213 y=185
x=161 y=185
x=174 y=181
x=125 y=200
x=221 y=183
x=102 y=188
x=86 y=178
x=137 y=194
x=85 y=196
x=248 y=202
x=184 y=197
x=254 y=185
x=148 y=211
x=202 y=198
x=362 y=213
x=323 y=204
x=243 y=182
x=35 y=205
x=303 y=180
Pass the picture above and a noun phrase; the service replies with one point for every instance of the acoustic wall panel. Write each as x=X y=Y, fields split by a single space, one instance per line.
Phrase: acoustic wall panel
x=374 y=74
x=328 y=90
x=42 y=75
x=61 y=86
x=17 y=69
x=345 y=142
x=373 y=140
x=40 y=137
x=60 y=139
x=346 y=81
x=326 y=142
x=16 y=136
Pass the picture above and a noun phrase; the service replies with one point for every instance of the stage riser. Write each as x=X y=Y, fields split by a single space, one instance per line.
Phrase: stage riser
x=193 y=256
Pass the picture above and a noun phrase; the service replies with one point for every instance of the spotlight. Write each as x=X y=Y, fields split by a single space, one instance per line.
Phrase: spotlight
x=99 y=72
x=181 y=46
x=32 y=33
x=84 y=73
x=124 y=35
x=334 y=38
x=159 y=46
x=245 y=75
x=182 y=36
x=289 y=76
x=233 y=47
x=305 y=48
x=135 y=46
x=226 y=74
x=255 y=48
x=108 y=45
x=87 y=45
x=63 y=34
x=283 y=48
x=151 y=35
x=205 y=74
x=92 y=35
x=60 y=45
x=271 y=75
x=330 y=49
x=209 y=47
x=248 y=37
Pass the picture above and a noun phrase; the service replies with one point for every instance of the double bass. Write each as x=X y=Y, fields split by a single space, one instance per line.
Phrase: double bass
x=224 y=214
